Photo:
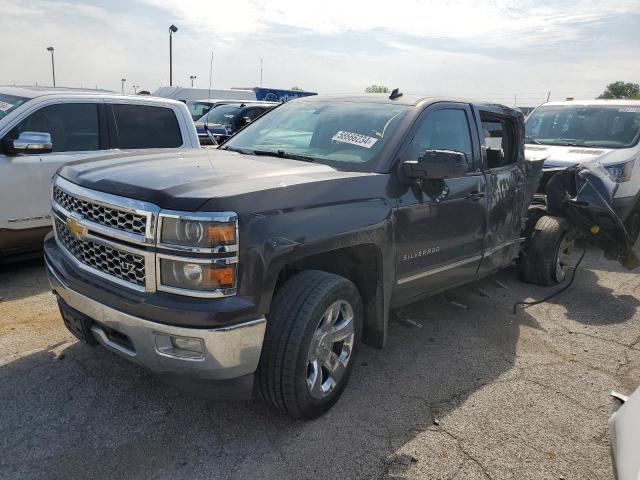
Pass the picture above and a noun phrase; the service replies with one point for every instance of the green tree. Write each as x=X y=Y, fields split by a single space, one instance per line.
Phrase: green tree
x=621 y=90
x=377 y=89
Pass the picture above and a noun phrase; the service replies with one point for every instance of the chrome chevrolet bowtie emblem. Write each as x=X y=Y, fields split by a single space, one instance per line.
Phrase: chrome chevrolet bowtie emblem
x=77 y=230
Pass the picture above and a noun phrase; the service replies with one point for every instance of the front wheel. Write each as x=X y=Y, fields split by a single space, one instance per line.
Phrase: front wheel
x=313 y=334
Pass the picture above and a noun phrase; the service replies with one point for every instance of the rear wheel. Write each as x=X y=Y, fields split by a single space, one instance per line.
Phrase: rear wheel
x=632 y=224
x=313 y=333
x=547 y=257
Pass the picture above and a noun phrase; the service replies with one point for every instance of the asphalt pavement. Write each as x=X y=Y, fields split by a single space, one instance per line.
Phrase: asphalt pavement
x=477 y=393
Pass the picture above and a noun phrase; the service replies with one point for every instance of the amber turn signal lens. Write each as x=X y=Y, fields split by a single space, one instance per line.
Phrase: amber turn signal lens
x=223 y=277
x=221 y=234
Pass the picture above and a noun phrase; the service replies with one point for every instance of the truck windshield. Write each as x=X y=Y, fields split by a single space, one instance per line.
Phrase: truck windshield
x=221 y=115
x=9 y=103
x=336 y=133
x=603 y=126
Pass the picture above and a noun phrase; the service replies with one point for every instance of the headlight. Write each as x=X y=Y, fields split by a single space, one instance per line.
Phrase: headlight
x=621 y=172
x=197 y=233
x=197 y=276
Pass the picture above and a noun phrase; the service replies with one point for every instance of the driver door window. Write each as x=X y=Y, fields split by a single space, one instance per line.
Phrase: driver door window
x=73 y=126
x=446 y=129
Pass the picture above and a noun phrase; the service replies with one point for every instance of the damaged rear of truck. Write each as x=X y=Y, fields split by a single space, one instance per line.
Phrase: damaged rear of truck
x=580 y=199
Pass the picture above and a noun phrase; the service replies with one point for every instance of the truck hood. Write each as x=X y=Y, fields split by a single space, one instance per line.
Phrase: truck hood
x=565 y=157
x=187 y=179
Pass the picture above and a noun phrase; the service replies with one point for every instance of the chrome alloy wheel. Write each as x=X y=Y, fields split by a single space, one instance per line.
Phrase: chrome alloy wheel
x=330 y=349
x=563 y=257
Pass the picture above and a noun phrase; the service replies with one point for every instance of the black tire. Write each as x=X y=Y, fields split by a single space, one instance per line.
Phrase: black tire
x=632 y=224
x=550 y=240
x=524 y=260
x=292 y=323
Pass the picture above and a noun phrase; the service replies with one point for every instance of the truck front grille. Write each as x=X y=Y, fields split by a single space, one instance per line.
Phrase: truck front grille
x=111 y=261
x=107 y=216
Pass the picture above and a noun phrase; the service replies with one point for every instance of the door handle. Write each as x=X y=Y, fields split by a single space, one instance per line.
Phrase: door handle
x=475 y=196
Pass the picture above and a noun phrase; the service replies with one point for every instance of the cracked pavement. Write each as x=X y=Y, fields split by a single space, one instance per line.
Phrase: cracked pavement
x=477 y=394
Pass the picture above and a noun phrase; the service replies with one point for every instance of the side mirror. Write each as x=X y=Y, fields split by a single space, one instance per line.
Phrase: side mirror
x=29 y=143
x=436 y=165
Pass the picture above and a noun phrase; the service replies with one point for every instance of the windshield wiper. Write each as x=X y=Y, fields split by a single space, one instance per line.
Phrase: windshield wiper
x=239 y=150
x=283 y=154
x=529 y=139
x=569 y=142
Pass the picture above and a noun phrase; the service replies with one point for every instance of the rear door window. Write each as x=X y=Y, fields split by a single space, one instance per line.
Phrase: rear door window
x=144 y=126
x=73 y=126
x=500 y=141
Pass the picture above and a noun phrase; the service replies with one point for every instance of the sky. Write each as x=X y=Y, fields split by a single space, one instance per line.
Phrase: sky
x=512 y=52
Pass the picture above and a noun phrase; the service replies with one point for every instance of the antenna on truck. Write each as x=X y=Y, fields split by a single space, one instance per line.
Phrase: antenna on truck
x=395 y=93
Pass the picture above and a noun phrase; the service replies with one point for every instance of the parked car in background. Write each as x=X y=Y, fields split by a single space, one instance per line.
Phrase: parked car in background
x=185 y=94
x=624 y=434
x=224 y=120
x=199 y=108
x=43 y=128
x=600 y=133
x=249 y=93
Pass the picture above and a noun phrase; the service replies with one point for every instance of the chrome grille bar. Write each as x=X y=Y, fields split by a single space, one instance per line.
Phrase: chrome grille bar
x=117 y=263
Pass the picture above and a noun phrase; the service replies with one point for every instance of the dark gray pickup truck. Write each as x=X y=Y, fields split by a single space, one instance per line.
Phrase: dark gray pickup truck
x=260 y=266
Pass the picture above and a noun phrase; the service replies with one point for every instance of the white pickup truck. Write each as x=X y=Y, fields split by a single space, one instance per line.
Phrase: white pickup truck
x=42 y=128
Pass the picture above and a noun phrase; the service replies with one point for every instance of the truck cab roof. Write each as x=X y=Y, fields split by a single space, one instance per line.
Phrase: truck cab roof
x=40 y=91
x=410 y=100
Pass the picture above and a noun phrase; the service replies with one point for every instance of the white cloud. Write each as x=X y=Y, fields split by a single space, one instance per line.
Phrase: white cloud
x=488 y=49
x=484 y=21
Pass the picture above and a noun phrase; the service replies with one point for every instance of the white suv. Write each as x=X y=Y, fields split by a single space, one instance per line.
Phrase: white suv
x=605 y=132
x=42 y=128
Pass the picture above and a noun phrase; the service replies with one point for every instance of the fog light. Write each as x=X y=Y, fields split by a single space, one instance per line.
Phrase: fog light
x=182 y=347
x=186 y=343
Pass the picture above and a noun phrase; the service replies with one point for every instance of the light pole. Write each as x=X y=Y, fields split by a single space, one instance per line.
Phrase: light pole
x=135 y=88
x=192 y=78
x=122 y=80
x=53 y=65
x=172 y=29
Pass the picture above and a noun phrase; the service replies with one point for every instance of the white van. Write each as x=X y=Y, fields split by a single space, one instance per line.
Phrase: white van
x=42 y=128
x=605 y=132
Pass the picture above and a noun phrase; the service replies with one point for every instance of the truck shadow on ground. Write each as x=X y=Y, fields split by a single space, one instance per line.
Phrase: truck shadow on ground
x=595 y=304
x=23 y=279
x=78 y=412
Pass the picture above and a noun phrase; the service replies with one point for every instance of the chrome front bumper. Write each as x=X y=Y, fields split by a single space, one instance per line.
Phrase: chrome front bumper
x=227 y=353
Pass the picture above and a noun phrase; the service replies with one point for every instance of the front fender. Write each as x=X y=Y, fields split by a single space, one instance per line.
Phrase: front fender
x=287 y=237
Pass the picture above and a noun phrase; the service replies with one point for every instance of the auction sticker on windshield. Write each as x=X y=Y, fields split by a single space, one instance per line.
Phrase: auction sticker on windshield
x=354 y=139
x=4 y=106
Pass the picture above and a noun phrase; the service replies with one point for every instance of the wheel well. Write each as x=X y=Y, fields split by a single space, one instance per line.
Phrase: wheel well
x=362 y=264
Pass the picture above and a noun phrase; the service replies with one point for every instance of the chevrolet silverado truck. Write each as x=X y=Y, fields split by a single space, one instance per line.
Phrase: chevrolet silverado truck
x=259 y=267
